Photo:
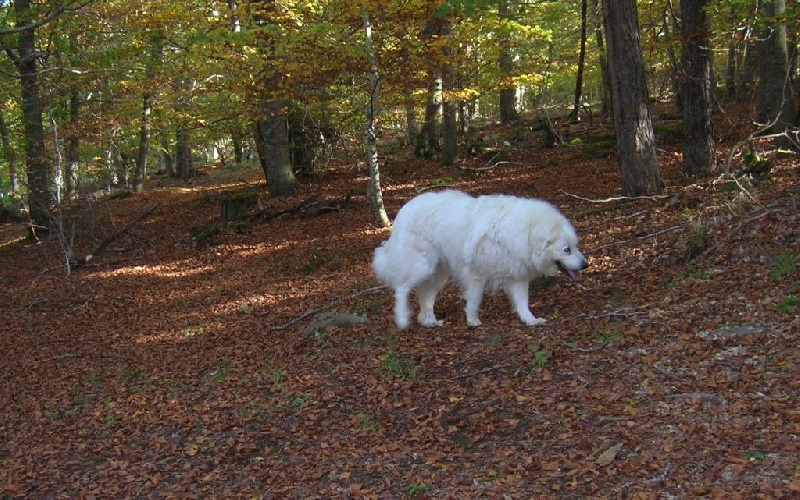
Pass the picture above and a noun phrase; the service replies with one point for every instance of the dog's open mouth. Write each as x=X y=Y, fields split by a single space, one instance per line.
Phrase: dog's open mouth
x=572 y=273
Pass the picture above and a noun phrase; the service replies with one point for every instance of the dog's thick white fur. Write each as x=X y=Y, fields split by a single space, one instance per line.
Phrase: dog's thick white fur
x=496 y=240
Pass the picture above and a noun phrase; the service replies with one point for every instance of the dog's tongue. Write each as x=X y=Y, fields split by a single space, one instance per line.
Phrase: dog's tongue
x=575 y=275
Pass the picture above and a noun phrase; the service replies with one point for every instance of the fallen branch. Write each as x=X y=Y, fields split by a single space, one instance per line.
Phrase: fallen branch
x=77 y=264
x=322 y=308
x=624 y=312
x=645 y=237
x=489 y=166
x=618 y=198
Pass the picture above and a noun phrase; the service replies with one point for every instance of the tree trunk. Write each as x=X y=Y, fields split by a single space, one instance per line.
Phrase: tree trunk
x=71 y=153
x=449 y=105
x=508 y=94
x=183 y=154
x=166 y=157
x=605 y=107
x=273 y=147
x=428 y=139
x=140 y=170
x=9 y=155
x=375 y=191
x=576 y=109
x=39 y=195
x=775 y=101
x=411 y=120
x=699 y=157
x=638 y=161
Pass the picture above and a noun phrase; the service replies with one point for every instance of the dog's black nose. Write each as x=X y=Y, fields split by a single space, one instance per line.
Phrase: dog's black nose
x=585 y=264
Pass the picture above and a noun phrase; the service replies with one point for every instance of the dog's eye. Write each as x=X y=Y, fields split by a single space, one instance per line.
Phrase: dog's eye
x=567 y=250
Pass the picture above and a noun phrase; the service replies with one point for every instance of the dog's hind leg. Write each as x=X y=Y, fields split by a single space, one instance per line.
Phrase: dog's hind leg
x=473 y=293
x=402 y=314
x=426 y=295
x=517 y=292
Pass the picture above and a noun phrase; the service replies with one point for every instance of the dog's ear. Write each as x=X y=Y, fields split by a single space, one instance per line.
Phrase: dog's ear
x=545 y=244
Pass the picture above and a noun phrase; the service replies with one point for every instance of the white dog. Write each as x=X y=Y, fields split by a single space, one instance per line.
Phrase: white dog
x=497 y=240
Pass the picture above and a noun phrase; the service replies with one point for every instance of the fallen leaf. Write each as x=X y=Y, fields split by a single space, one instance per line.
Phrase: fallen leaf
x=609 y=455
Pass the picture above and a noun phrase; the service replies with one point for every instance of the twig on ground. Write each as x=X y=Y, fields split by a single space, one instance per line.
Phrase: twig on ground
x=618 y=198
x=490 y=166
x=645 y=237
x=311 y=312
x=606 y=420
x=623 y=311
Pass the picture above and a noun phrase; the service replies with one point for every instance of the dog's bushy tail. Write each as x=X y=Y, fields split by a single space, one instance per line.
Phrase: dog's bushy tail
x=381 y=263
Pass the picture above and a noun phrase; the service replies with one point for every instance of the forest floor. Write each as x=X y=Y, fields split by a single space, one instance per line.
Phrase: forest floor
x=165 y=367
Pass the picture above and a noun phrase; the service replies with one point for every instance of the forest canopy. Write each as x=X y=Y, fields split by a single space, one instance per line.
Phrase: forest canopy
x=100 y=95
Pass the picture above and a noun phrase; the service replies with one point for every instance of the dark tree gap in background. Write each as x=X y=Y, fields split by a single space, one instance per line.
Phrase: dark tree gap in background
x=699 y=156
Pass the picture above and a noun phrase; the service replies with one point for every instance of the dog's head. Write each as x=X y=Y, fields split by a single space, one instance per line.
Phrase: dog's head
x=558 y=252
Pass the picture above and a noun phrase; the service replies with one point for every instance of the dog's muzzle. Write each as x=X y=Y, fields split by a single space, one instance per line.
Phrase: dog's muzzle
x=574 y=274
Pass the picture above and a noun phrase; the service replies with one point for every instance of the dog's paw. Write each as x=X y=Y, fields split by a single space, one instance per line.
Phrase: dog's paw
x=534 y=321
x=429 y=321
x=474 y=322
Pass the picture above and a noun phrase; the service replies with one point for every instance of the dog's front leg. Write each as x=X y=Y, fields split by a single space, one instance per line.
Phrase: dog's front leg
x=473 y=295
x=517 y=292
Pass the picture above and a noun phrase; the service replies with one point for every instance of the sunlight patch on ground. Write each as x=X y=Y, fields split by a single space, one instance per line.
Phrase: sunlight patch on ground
x=172 y=270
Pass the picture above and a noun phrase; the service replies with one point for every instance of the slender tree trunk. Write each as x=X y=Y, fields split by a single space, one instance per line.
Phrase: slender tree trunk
x=576 y=109
x=183 y=154
x=449 y=105
x=9 y=155
x=599 y=37
x=71 y=152
x=140 y=170
x=428 y=139
x=699 y=157
x=508 y=94
x=775 y=100
x=412 y=129
x=37 y=168
x=375 y=191
x=638 y=160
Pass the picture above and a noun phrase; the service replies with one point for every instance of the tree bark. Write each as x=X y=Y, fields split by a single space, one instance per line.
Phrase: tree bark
x=428 y=139
x=71 y=153
x=602 y=61
x=508 y=94
x=276 y=161
x=183 y=154
x=638 y=161
x=699 y=156
x=576 y=109
x=9 y=155
x=37 y=168
x=449 y=105
x=375 y=191
x=775 y=101
x=140 y=170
